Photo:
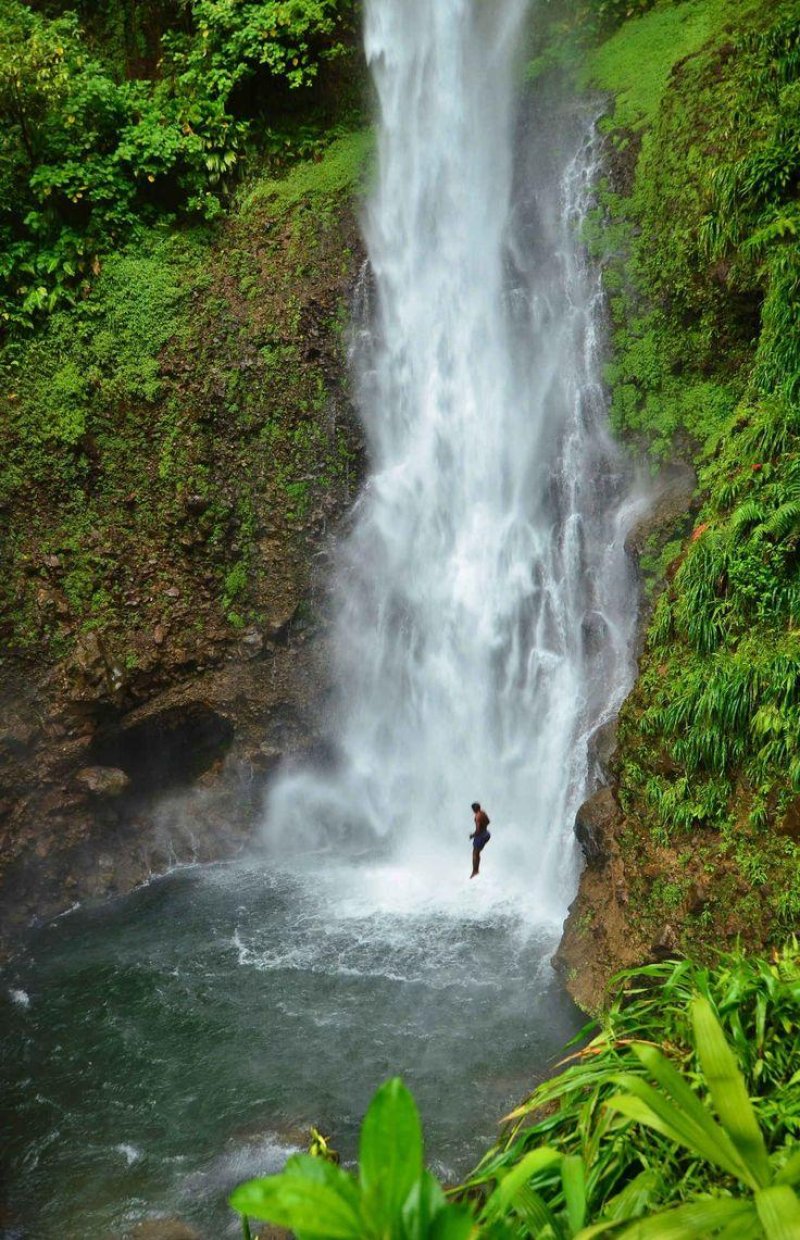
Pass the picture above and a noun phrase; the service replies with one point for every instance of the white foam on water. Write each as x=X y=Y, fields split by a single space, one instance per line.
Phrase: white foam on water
x=241 y=1160
x=130 y=1153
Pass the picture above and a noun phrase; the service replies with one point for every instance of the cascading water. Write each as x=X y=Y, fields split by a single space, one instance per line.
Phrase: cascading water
x=484 y=599
x=159 y=1049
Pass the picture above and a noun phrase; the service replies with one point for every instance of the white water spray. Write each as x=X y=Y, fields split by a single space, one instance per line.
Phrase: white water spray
x=485 y=605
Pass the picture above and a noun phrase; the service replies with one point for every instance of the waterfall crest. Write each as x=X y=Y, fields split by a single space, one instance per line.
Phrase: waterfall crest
x=485 y=606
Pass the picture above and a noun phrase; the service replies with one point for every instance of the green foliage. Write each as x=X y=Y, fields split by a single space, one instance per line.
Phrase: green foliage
x=86 y=153
x=680 y=1117
x=337 y=168
x=636 y=62
x=700 y=239
x=393 y=1195
x=231 y=43
x=660 y=1030
x=173 y=429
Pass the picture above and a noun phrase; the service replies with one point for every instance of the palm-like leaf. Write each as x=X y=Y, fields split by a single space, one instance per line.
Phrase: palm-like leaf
x=747 y=515
x=784 y=522
x=729 y=1094
x=696 y=1130
x=779 y=1212
x=518 y=1177
x=699 y=1218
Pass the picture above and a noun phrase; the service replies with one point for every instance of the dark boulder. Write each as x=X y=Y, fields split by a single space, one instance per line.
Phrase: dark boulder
x=594 y=826
x=600 y=750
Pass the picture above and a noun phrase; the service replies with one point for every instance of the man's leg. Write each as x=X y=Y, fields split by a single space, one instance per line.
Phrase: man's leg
x=476 y=862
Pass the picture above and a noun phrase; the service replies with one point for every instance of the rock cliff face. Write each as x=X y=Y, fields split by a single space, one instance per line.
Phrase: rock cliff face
x=141 y=730
x=99 y=791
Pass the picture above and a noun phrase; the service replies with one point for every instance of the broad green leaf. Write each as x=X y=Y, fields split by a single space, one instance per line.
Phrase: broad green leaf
x=676 y=1088
x=390 y=1152
x=311 y=1209
x=689 y=1117
x=742 y=1229
x=698 y=1218
x=729 y=1092
x=573 y=1179
x=650 y=1108
x=634 y=1198
x=453 y=1223
x=526 y=1168
x=790 y=1171
x=532 y=1209
x=320 y=1171
x=779 y=1212
x=423 y=1203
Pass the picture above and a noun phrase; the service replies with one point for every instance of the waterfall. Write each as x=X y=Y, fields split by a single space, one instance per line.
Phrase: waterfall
x=484 y=619
x=485 y=606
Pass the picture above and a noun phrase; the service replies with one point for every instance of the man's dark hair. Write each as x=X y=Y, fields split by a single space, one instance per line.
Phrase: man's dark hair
x=475 y=806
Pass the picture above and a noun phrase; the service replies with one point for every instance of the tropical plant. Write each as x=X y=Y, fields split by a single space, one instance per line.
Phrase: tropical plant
x=87 y=151
x=620 y=1143
x=734 y=1146
x=393 y=1195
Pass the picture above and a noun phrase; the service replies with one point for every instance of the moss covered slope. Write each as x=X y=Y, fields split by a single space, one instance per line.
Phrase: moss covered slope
x=698 y=231
x=173 y=451
x=181 y=406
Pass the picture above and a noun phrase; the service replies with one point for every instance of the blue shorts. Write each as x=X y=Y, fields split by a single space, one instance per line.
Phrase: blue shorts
x=480 y=841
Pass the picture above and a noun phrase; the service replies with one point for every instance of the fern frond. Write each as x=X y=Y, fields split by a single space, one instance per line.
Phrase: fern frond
x=785 y=522
x=746 y=516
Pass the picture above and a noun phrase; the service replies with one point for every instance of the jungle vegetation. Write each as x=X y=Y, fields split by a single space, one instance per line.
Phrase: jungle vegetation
x=123 y=112
x=678 y=1117
x=125 y=128
x=698 y=232
x=176 y=181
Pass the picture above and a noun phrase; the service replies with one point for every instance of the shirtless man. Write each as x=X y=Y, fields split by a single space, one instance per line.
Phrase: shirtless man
x=480 y=836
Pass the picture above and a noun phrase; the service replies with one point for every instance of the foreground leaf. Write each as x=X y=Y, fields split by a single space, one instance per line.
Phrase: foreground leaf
x=699 y=1218
x=729 y=1092
x=390 y=1153
x=639 y=1111
x=779 y=1212
x=573 y=1178
x=647 y=1106
x=314 y=1211
x=423 y=1204
x=453 y=1223
x=531 y=1208
x=517 y=1177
